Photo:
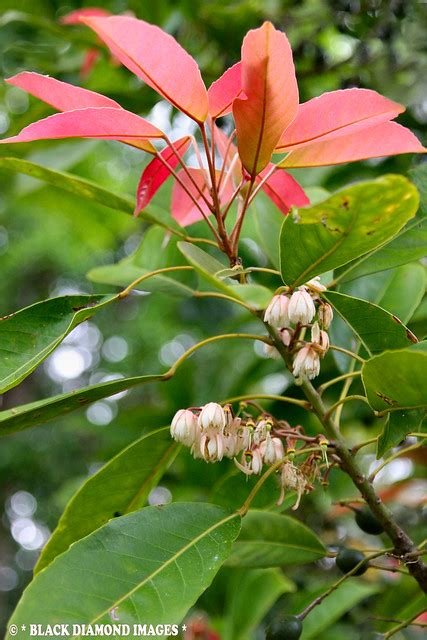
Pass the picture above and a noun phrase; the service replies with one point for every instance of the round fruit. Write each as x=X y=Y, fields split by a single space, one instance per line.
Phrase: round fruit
x=368 y=522
x=285 y=628
x=347 y=559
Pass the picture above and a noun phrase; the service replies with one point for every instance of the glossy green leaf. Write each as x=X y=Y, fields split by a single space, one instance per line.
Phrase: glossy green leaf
x=350 y=223
x=405 y=291
x=28 y=336
x=397 y=426
x=150 y=566
x=397 y=379
x=409 y=245
x=119 y=487
x=347 y=596
x=377 y=329
x=418 y=176
x=41 y=411
x=244 y=612
x=270 y=539
x=89 y=190
x=208 y=267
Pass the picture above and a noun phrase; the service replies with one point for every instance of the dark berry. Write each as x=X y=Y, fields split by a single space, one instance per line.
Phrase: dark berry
x=347 y=559
x=285 y=628
x=368 y=522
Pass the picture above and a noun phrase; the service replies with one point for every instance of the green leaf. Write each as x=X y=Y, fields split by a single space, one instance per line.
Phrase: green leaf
x=398 y=425
x=119 y=487
x=88 y=190
x=270 y=539
x=208 y=267
x=347 y=596
x=405 y=291
x=418 y=176
x=151 y=254
x=377 y=329
x=350 y=223
x=244 y=611
x=409 y=245
x=28 y=336
x=397 y=379
x=150 y=566
x=41 y=411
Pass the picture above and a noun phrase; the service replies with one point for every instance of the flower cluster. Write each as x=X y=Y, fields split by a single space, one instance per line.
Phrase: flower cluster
x=213 y=432
x=291 y=315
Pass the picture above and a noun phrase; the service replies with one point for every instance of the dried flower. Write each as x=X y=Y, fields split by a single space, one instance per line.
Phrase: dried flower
x=301 y=307
x=325 y=315
x=271 y=352
x=319 y=338
x=292 y=478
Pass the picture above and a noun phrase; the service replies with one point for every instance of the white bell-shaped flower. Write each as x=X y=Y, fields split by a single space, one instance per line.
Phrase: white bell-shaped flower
x=306 y=363
x=184 y=427
x=276 y=314
x=301 y=307
x=212 y=416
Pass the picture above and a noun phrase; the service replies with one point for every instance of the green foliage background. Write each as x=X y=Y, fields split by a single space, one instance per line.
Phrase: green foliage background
x=49 y=240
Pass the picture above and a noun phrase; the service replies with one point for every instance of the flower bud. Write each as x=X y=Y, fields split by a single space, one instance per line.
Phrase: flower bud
x=271 y=352
x=301 y=307
x=315 y=285
x=306 y=363
x=276 y=314
x=272 y=450
x=320 y=338
x=184 y=427
x=286 y=337
x=212 y=416
x=325 y=314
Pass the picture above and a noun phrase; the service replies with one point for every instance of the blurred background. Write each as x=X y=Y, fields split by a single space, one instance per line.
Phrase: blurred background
x=50 y=239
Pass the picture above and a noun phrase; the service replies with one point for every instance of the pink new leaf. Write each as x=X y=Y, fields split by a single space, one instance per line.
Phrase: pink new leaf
x=183 y=208
x=270 y=87
x=337 y=113
x=386 y=139
x=74 y=17
x=103 y=122
x=62 y=96
x=67 y=97
x=224 y=91
x=158 y=59
x=283 y=190
x=155 y=173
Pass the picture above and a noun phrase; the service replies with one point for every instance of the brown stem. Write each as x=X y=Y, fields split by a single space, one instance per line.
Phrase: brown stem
x=404 y=547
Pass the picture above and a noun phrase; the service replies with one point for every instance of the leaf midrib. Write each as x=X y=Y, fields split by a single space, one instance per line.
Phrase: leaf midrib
x=172 y=559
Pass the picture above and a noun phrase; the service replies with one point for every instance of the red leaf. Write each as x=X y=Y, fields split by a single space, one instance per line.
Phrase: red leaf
x=103 y=122
x=158 y=59
x=66 y=97
x=60 y=95
x=283 y=190
x=386 y=139
x=155 y=173
x=183 y=208
x=337 y=113
x=224 y=91
x=269 y=84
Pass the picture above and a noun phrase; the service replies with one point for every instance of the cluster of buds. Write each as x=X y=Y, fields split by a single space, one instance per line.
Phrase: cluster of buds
x=291 y=315
x=213 y=432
